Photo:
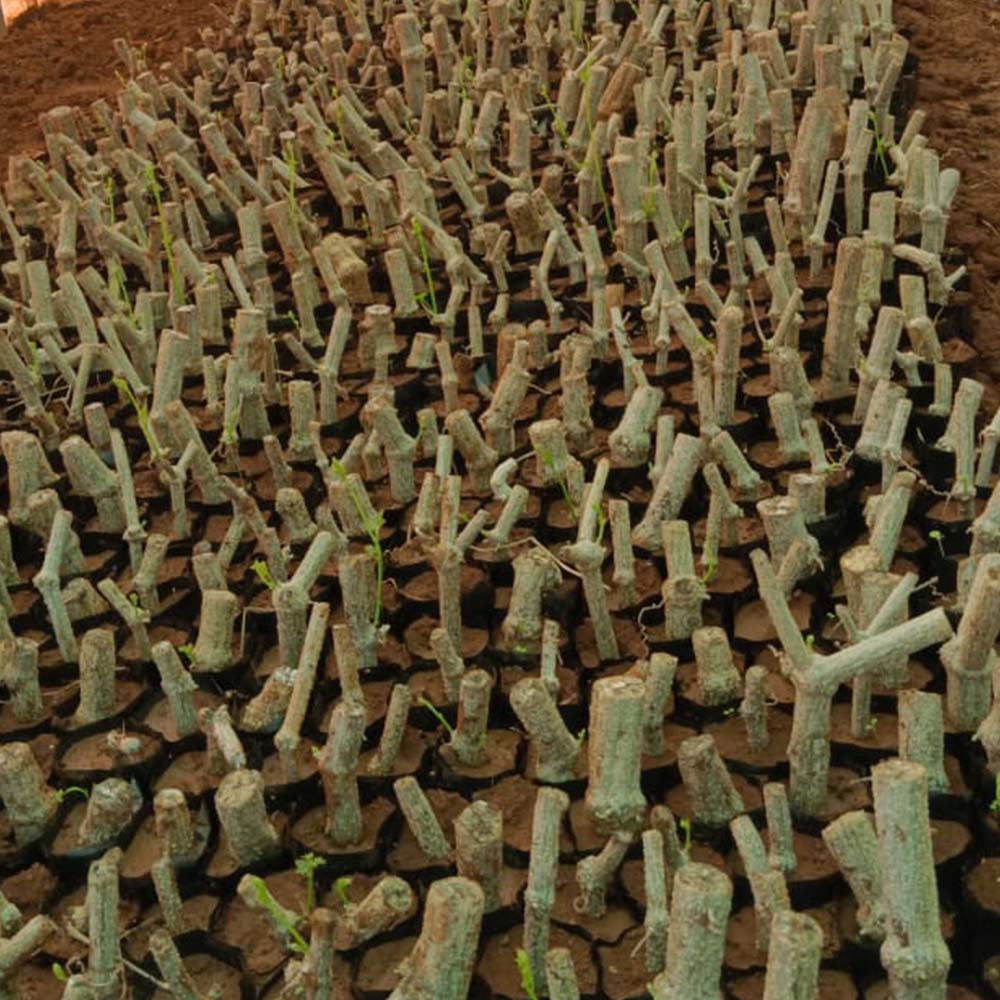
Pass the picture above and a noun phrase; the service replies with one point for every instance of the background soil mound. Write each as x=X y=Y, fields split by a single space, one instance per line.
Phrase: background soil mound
x=958 y=42
x=58 y=55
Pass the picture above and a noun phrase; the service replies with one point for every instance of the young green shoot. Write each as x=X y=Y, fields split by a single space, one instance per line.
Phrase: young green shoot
x=263 y=573
x=548 y=464
x=340 y=888
x=296 y=942
x=292 y=165
x=939 y=539
x=880 y=146
x=63 y=793
x=602 y=522
x=685 y=825
x=60 y=972
x=436 y=712
x=187 y=651
x=527 y=976
x=429 y=295
x=142 y=414
x=306 y=867
x=176 y=281
x=373 y=529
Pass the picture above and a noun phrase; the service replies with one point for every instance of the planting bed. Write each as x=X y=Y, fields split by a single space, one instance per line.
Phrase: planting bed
x=497 y=501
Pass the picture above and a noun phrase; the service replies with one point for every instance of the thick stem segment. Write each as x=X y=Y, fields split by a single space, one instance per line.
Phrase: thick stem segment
x=714 y=799
x=914 y=952
x=540 y=894
x=441 y=963
x=921 y=735
x=104 y=963
x=420 y=819
x=719 y=681
x=338 y=764
x=479 y=849
x=793 y=957
x=614 y=754
x=969 y=657
x=555 y=749
x=595 y=872
x=699 y=911
x=239 y=803
x=29 y=802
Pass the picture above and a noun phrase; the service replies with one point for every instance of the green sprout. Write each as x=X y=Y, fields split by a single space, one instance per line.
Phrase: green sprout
x=142 y=413
x=340 y=888
x=581 y=736
x=602 y=522
x=297 y=943
x=64 y=793
x=177 y=283
x=994 y=806
x=187 y=651
x=527 y=976
x=230 y=429
x=939 y=538
x=429 y=295
x=880 y=145
x=686 y=830
x=436 y=712
x=292 y=165
x=263 y=573
x=711 y=567
x=60 y=972
x=593 y=160
x=373 y=529
x=549 y=465
x=306 y=867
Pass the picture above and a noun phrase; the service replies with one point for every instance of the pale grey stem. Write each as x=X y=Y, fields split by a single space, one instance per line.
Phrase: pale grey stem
x=110 y=808
x=767 y=884
x=781 y=852
x=479 y=849
x=178 y=686
x=98 y=697
x=793 y=957
x=393 y=730
x=540 y=894
x=595 y=872
x=420 y=819
x=104 y=965
x=719 y=681
x=239 y=804
x=468 y=741
x=699 y=911
x=171 y=965
x=914 y=952
x=441 y=963
x=921 y=735
x=753 y=708
x=714 y=799
x=213 y=649
x=969 y=657
x=338 y=765
x=851 y=840
x=614 y=754
x=389 y=900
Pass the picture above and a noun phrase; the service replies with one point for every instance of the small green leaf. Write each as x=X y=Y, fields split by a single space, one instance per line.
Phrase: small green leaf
x=527 y=975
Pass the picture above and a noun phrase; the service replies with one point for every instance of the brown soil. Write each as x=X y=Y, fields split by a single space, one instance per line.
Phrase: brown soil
x=58 y=55
x=958 y=42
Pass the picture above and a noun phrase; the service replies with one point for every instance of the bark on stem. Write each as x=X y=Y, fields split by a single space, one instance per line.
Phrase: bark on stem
x=702 y=897
x=914 y=952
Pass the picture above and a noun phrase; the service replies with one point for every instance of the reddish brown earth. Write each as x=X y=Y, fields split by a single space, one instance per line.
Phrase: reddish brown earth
x=62 y=55
x=57 y=55
x=958 y=85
